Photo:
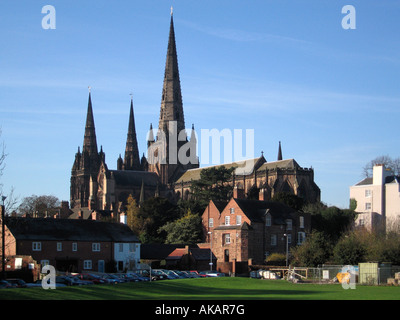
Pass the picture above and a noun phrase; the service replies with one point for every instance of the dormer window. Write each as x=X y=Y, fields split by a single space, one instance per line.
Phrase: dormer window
x=268 y=220
x=288 y=224
x=301 y=222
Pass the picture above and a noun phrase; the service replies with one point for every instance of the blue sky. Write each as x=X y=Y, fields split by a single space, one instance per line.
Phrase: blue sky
x=286 y=69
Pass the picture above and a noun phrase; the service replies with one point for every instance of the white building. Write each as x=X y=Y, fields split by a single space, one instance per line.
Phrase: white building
x=378 y=200
x=127 y=256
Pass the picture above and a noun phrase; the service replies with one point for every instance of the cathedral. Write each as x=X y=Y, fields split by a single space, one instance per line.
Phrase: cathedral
x=95 y=187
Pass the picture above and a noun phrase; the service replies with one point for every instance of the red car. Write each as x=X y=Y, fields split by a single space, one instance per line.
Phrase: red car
x=91 y=277
x=199 y=274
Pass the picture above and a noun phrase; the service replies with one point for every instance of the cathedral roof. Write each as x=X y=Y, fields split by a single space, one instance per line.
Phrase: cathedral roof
x=282 y=164
x=244 y=167
x=134 y=178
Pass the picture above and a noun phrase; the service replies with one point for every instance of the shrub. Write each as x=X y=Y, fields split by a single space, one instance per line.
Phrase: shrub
x=276 y=259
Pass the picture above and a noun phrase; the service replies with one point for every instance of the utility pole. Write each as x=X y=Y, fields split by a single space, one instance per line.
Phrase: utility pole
x=3 y=240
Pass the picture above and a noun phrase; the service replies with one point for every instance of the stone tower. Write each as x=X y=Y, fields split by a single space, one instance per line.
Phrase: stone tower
x=86 y=165
x=163 y=155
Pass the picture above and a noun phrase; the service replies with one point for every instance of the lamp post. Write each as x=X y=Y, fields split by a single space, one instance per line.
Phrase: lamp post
x=287 y=247
x=3 y=241
x=211 y=263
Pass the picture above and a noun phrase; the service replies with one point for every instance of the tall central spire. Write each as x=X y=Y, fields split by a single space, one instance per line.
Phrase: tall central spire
x=164 y=153
x=171 y=101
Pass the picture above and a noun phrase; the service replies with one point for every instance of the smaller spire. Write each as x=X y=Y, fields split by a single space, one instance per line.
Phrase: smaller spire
x=280 y=152
x=150 y=138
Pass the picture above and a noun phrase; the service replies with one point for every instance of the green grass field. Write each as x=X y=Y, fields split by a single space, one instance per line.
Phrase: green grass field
x=207 y=289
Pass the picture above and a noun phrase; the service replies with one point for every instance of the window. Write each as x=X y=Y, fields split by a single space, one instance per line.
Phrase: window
x=232 y=210
x=120 y=247
x=44 y=262
x=227 y=220
x=368 y=206
x=289 y=238
x=368 y=193
x=74 y=246
x=95 y=246
x=268 y=220
x=211 y=222
x=36 y=246
x=59 y=246
x=301 y=236
x=132 y=247
x=227 y=238
x=18 y=263
x=301 y=221
x=288 y=224
x=238 y=220
x=273 y=239
x=87 y=264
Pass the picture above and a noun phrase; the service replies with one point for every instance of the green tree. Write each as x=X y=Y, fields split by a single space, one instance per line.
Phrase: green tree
x=289 y=199
x=332 y=221
x=349 y=250
x=212 y=185
x=184 y=230
x=153 y=214
x=391 y=249
x=134 y=219
x=314 y=251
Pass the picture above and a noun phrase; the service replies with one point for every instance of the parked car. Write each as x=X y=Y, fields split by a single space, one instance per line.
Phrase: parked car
x=111 y=278
x=76 y=281
x=139 y=277
x=17 y=283
x=5 y=285
x=183 y=274
x=172 y=274
x=212 y=273
x=192 y=274
x=200 y=274
x=70 y=281
x=93 y=278
x=128 y=277
x=158 y=274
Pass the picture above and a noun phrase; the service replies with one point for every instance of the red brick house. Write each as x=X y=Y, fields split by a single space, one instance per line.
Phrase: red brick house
x=249 y=230
x=73 y=245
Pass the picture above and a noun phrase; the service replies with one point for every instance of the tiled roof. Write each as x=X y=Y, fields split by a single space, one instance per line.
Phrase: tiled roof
x=154 y=251
x=255 y=210
x=244 y=167
x=282 y=164
x=364 y=182
x=49 y=229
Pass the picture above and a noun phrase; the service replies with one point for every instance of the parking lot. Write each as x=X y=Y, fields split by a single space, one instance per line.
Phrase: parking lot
x=95 y=278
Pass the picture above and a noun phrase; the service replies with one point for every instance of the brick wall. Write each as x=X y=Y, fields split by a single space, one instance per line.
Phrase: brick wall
x=49 y=251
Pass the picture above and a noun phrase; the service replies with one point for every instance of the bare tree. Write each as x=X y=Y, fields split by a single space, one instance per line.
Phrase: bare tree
x=387 y=161
x=11 y=199
x=39 y=206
